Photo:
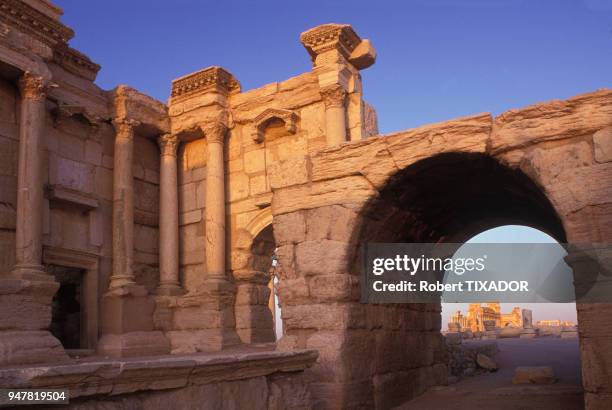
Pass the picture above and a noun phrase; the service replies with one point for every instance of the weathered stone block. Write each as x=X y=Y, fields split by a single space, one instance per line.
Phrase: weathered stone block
x=289 y=172
x=239 y=187
x=602 y=141
x=322 y=257
x=258 y=185
x=334 y=288
x=254 y=161
x=290 y=228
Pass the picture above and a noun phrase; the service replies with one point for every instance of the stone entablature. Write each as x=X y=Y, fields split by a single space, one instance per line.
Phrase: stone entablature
x=206 y=80
x=32 y=21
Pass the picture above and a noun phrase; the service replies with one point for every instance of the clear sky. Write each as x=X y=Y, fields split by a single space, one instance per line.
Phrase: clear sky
x=516 y=234
x=437 y=59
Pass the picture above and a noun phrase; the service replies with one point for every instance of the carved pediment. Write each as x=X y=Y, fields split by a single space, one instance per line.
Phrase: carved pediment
x=261 y=122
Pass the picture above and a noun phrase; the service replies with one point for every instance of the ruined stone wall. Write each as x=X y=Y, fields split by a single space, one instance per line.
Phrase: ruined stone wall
x=560 y=146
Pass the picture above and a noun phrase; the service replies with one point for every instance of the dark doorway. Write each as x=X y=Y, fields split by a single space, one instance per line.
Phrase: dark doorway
x=66 y=322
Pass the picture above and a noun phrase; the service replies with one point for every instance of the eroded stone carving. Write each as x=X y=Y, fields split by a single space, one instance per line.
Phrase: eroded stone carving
x=333 y=96
x=33 y=87
x=208 y=79
x=261 y=122
x=168 y=143
x=327 y=37
x=31 y=21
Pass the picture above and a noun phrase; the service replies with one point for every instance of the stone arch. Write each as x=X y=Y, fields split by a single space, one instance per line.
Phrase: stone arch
x=449 y=197
x=254 y=248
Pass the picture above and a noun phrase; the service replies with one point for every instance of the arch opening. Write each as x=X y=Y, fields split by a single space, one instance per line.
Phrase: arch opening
x=257 y=306
x=447 y=198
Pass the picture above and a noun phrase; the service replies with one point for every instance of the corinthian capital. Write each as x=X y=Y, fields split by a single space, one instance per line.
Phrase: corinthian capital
x=168 y=144
x=333 y=96
x=124 y=127
x=214 y=132
x=33 y=87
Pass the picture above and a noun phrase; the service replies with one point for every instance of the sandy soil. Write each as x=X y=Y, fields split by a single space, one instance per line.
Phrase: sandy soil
x=496 y=391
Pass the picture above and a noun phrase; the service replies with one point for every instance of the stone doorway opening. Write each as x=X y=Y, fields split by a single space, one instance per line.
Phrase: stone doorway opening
x=448 y=197
x=67 y=311
x=257 y=305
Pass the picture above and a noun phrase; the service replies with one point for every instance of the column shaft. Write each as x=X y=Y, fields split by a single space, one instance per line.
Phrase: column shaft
x=168 y=218
x=335 y=114
x=215 y=204
x=28 y=238
x=123 y=205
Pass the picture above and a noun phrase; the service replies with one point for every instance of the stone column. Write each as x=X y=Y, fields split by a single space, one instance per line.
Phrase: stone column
x=126 y=319
x=215 y=203
x=27 y=292
x=168 y=218
x=123 y=205
x=28 y=238
x=334 y=98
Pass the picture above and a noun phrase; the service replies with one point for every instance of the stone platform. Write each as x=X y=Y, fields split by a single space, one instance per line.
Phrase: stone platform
x=251 y=376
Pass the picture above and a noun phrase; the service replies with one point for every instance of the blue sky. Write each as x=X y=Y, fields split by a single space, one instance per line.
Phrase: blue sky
x=516 y=234
x=437 y=59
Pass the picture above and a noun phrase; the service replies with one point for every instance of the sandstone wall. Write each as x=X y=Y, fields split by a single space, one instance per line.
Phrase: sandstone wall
x=327 y=198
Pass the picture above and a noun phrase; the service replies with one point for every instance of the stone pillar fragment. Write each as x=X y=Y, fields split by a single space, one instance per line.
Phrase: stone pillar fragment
x=334 y=98
x=215 y=203
x=168 y=218
x=28 y=236
x=27 y=292
x=123 y=205
x=127 y=325
x=337 y=54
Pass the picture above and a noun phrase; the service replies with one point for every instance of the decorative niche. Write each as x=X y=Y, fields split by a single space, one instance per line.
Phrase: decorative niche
x=273 y=115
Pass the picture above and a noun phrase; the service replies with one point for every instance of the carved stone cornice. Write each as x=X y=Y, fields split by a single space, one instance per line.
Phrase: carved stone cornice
x=124 y=127
x=214 y=132
x=333 y=96
x=75 y=62
x=168 y=143
x=327 y=37
x=27 y=19
x=261 y=122
x=33 y=87
x=206 y=80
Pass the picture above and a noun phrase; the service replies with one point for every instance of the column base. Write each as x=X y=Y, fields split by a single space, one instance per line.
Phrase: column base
x=19 y=347
x=26 y=315
x=205 y=321
x=26 y=304
x=31 y=272
x=127 y=324
x=150 y=343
